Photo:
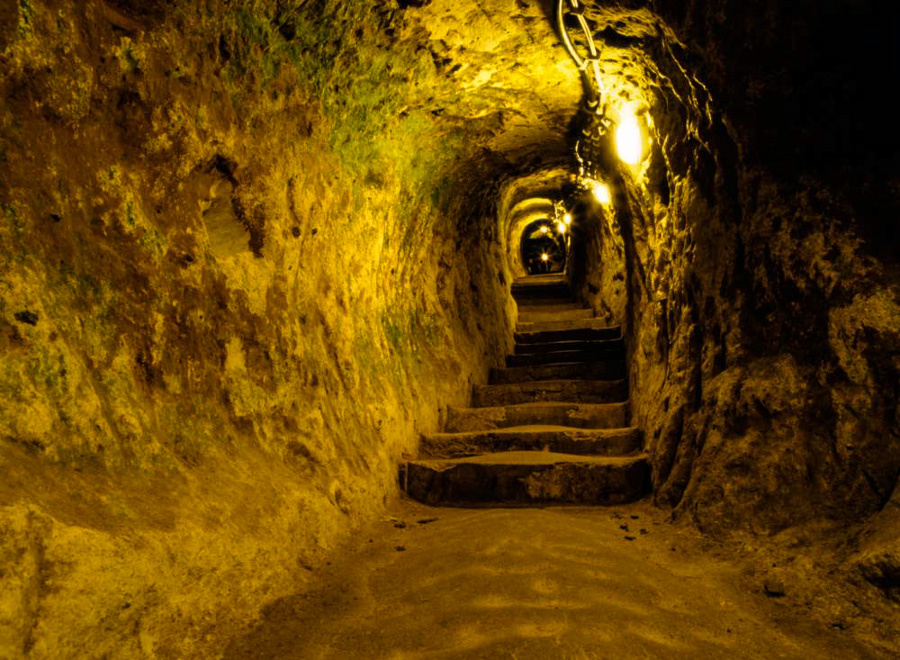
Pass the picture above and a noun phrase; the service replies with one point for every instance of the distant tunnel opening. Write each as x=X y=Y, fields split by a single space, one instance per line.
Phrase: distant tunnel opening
x=543 y=247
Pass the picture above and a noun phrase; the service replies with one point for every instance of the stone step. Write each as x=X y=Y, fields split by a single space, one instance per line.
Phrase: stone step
x=553 y=314
x=574 y=334
x=561 y=439
x=541 y=287
x=553 y=307
x=558 y=357
x=527 y=478
x=541 y=302
x=598 y=370
x=554 y=324
x=576 y=415
x=584 y=346
x=574 y=391
x=539 y=278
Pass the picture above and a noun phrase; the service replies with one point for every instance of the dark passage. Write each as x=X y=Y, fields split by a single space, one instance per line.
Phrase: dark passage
x=543 y=248
x=552 y=427
x=271 y=269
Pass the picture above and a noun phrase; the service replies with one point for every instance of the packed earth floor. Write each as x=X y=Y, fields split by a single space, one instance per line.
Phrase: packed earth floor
x=551 y=583
x=260 y=280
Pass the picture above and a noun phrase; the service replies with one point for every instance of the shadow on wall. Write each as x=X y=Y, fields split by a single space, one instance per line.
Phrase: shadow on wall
x=598 y=260
x=763 y=326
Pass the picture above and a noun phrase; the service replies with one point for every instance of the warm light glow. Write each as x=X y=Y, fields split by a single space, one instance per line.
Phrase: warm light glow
x=545 y=257
x=567 y=218
x=560 y=227
x=628 y=137
x=601 y=192
x=544 y=229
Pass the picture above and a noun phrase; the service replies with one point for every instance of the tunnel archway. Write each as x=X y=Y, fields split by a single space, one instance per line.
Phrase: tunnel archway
x=543 y=247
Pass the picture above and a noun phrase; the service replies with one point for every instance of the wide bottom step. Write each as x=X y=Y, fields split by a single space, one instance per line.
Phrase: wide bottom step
x=528 y=479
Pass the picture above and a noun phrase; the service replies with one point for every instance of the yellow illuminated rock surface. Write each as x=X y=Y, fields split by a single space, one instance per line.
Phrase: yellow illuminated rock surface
x=251 y=251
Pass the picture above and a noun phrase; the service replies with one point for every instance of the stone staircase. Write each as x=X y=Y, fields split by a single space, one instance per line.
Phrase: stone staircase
x=552 y=427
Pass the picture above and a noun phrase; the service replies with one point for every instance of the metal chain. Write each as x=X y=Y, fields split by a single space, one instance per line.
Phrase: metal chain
x=593 y=88
x=594 y=122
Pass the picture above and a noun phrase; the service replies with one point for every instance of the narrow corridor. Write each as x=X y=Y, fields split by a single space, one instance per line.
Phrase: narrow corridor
x=274 y=377
x=493 y=570
x=551 y=427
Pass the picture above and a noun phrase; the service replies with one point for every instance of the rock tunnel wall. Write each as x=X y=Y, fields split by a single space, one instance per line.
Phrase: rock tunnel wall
x=236 y=284
x=764 y=308
x=250 y=249
x=599 y=244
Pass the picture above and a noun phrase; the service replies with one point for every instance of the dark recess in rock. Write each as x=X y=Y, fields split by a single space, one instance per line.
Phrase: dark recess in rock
x=29 y=318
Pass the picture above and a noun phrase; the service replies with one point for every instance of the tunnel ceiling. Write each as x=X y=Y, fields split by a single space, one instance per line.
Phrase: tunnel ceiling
x=505 y=60
x=508 y=63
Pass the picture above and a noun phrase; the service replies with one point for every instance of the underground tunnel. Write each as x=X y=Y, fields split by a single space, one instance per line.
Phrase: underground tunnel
x=275 y=316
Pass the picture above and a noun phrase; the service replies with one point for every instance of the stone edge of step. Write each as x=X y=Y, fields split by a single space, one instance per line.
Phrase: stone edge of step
x=622 y=441
x=559 y=325
x=606 y=406
x=563 y=357
x=540 y=429
x=593 y=327
x=442 y=464
x=540 y=370
x=571 y=345
x=555 y=384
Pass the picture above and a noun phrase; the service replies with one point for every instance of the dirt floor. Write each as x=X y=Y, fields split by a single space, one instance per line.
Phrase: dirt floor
x=555 y=583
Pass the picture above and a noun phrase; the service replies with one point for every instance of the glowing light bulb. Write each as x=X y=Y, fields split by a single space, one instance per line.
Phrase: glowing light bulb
x=561 y=227
x=567 y=218
x=545 y=257
x=628 y=137
x=544 y=229
x=601 y=192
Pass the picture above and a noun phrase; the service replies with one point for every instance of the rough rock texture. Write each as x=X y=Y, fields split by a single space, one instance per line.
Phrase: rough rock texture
x=238 y=278
x=877 y=559
x=761 y=251
x=600 y=248
x=249 y=250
